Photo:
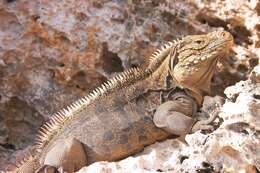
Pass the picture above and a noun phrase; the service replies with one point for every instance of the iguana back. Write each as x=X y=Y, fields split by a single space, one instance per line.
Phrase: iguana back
x=115 y=126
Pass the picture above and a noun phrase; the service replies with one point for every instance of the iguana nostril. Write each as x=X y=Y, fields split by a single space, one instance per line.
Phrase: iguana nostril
x=226 y=35
x=223 y=34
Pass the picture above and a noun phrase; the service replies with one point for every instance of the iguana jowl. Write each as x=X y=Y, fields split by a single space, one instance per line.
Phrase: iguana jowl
x=113 y=122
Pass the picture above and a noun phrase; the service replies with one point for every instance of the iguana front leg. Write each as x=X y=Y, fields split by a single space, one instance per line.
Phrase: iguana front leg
x=65 y=156
x=172 y=120
x=179 y=116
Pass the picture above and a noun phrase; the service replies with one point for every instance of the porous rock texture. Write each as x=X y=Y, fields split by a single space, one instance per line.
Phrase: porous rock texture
x=53 y=52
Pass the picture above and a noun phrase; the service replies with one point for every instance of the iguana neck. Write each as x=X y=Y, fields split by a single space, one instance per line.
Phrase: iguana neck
x=158 y=68
x=158 y=78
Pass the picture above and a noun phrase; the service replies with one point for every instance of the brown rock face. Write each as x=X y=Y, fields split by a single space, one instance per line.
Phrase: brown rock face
x=52 y=52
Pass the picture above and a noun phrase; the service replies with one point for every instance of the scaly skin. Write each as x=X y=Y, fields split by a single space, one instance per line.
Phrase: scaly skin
x=116 y=119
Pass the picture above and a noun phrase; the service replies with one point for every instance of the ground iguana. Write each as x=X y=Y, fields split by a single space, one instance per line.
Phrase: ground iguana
x=117 y=119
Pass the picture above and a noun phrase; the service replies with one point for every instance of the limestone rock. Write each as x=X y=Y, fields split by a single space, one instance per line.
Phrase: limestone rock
x=255 y=74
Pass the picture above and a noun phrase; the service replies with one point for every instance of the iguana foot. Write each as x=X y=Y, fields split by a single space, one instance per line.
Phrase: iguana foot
x=213 y=105
x=66 y=156
x=207 y=123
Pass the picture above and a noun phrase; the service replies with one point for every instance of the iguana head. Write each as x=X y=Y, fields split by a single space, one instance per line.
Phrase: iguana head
x=195 y=60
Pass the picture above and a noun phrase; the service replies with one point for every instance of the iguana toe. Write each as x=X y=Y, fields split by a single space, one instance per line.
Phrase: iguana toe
x=47 y=169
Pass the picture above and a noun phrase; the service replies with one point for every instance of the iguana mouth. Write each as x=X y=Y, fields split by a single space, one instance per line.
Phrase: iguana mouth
x=226 y=42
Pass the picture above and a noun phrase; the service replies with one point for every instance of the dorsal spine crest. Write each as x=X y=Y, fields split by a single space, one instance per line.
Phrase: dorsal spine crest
x=58 y=119
x=158 y=57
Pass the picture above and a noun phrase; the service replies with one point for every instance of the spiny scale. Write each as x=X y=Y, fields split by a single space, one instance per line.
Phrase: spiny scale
x=26 y=158
x=154 y=56
x=57 y=120
x=159 y=55
x=21 y=163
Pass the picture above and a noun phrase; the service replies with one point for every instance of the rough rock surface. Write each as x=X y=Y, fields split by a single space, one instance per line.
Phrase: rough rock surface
x=233 y=147
x=52 y=52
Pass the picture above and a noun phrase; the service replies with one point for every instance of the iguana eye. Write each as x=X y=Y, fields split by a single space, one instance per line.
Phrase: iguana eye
x=198 y=41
